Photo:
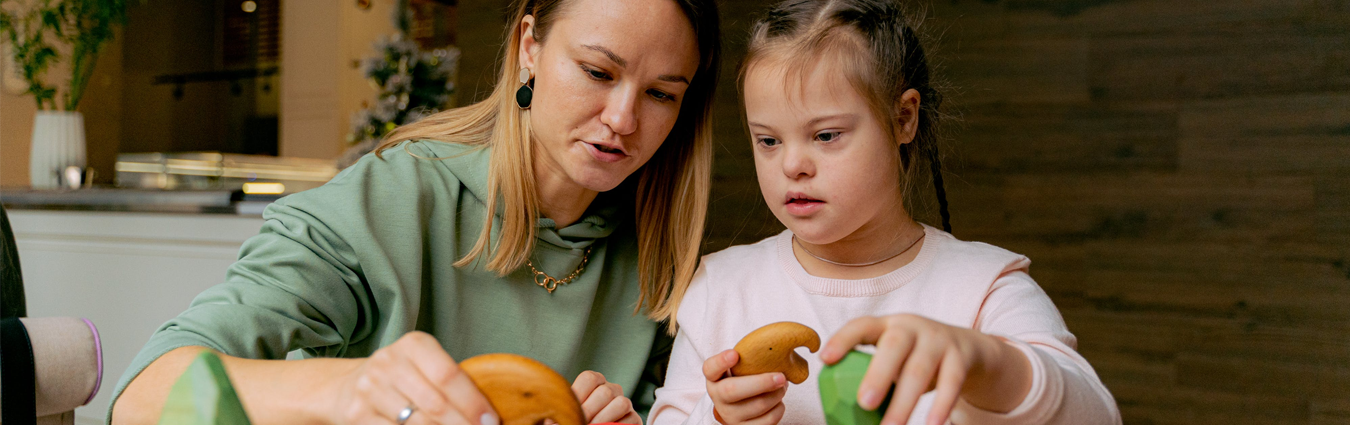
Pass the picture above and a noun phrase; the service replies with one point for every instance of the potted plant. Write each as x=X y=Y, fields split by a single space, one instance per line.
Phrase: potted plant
x=39 y=33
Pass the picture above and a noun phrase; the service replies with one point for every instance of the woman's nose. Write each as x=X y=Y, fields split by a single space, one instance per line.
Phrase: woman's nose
x=620 y=114
x=797 y=161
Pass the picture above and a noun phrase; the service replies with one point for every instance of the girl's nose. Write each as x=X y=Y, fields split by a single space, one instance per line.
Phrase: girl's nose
x=797 y=161
x=619 y=113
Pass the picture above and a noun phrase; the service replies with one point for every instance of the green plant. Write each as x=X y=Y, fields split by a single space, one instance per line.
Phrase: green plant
x=36 y=29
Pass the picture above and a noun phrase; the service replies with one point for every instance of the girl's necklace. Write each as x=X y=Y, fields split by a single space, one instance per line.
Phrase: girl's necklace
x=873 y=263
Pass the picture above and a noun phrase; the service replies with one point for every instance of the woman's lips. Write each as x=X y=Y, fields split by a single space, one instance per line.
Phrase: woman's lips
x=605 y=153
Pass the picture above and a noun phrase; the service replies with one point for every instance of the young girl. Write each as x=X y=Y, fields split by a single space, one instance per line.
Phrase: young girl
x=842 y=116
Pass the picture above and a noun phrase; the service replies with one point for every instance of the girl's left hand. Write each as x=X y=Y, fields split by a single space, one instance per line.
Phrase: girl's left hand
x=603 y=401
x=917 y=354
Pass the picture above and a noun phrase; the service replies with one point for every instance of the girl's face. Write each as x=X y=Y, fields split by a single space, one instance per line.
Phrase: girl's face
x=609 y=80
x=826 y=165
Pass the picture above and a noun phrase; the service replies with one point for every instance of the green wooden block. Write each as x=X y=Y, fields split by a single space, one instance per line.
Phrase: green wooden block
x=203 y=395
x=839 y=392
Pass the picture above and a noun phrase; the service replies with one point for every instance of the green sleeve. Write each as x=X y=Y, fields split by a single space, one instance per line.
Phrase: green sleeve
x=296 y=285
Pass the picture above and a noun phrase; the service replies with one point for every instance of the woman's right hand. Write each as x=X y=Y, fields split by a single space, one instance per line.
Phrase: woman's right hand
x=413 y=371
x=754 y=399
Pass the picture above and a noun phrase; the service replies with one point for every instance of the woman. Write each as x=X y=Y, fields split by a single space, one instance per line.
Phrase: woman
x=596 y=170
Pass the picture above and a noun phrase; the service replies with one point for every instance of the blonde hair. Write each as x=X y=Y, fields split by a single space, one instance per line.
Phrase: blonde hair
x=877 y=49
x=671 y=194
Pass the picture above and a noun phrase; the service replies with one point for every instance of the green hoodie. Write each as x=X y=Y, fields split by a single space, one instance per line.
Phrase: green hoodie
x=349 y=267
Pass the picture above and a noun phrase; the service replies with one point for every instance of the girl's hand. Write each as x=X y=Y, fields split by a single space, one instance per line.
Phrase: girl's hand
x=754 y=399
x=413 y=371
x=917 y=354
x=603 y=401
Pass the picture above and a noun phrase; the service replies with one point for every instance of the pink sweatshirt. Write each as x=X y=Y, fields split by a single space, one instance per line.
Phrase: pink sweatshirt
x=959 y=283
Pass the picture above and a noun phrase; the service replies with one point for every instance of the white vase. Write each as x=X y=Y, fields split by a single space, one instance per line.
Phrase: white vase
x=58 y=142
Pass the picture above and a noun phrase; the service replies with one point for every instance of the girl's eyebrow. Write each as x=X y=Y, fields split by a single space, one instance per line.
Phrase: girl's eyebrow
x=842 y=117
x=847 y=117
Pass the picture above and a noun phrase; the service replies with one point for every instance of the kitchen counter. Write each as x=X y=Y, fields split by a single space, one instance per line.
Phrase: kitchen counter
x=138 y=200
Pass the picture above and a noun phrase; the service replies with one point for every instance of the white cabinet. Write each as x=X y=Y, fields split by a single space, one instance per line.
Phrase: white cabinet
x=127 y=272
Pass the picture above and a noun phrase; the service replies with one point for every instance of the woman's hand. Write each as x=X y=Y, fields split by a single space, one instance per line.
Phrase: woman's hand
x=754 y=399
x=412 y=372
x=603 y=401
x=917 y=354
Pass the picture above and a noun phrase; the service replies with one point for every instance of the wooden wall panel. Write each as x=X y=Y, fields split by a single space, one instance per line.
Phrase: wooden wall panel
x=1220 y=65
x=1279 y=134
x=1327 y=412
x=1040 y=18
x=1022 y=71
x=1066 y=137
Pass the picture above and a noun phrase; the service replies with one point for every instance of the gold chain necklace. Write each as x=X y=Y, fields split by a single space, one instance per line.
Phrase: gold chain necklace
x=549 y=282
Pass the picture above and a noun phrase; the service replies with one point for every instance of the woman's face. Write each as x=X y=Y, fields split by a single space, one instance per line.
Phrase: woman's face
x=827 y=167
x=610 y=76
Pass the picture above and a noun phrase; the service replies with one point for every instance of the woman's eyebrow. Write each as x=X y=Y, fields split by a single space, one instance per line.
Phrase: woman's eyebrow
x=623 y=63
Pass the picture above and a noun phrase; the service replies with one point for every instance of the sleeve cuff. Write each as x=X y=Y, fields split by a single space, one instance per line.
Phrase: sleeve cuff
x=160 y=344
x=703 y=413
x=1042 y=401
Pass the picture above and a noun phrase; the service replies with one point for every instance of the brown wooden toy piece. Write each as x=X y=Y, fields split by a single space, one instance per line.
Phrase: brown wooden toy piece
x=524 y=391
x=770 y=349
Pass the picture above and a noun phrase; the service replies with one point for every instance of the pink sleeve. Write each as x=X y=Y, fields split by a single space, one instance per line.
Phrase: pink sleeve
x=683 y=399
x=1065 y=390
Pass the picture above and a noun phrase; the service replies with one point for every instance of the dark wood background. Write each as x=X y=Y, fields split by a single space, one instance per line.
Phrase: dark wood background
x=1177 y=170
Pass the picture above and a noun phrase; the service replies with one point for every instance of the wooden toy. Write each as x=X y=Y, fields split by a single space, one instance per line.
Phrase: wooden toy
x=524 y=391
x=521 y=390
x=771 y=349
x=839 y=392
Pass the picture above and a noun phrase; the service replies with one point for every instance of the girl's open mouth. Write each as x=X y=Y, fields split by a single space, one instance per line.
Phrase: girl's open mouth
x=799 y=204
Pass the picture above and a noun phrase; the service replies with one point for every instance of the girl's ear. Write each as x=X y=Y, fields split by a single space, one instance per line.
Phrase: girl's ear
x=907 y=116
x=529 y=47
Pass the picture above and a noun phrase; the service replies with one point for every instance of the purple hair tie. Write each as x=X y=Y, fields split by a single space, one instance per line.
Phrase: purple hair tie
x=98 y=347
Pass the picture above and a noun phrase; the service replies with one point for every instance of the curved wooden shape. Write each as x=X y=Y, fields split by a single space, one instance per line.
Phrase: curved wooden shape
x=524 y=391
x=770 y=349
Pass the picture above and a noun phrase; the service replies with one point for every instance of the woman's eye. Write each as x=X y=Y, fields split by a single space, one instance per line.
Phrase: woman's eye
x=595 y=74
x=660 y=95
x=828 y=136
x=767 y=141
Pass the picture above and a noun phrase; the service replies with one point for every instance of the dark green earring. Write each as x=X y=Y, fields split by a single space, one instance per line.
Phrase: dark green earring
x=526 y=92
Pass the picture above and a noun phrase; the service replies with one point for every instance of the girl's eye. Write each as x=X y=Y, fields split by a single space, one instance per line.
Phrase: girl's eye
x=661 y=96
x=595 y=74
x=828 y=136
x=767 y=141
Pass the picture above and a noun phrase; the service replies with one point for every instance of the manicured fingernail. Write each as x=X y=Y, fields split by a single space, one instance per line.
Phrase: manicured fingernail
x=489 y=419
x=779 y=379
x=871 y=398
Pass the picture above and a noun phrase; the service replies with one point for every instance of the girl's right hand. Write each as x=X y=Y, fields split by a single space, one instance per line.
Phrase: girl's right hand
x=754 y=399
x=413 y=371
